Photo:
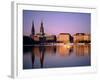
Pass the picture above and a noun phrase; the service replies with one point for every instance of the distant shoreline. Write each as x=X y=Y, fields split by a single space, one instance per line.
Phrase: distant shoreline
x=58 y=44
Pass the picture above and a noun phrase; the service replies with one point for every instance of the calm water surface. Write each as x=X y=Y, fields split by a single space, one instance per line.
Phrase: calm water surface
x=53 y=56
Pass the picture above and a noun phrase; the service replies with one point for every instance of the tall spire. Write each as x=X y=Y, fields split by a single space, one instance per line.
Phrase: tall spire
x=42 y=28
x=33 y=30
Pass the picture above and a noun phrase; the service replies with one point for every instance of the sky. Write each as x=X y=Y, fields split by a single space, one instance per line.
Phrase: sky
x=56 y=22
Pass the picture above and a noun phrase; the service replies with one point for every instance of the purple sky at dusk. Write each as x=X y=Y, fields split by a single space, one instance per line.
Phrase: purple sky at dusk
x=56 y=22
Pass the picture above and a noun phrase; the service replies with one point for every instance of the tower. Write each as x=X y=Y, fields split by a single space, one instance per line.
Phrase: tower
x=42 y=29
x=42 y=34
x=33 y=30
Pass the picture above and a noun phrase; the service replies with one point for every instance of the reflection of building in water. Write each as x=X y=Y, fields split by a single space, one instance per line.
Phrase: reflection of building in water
x=42 y=36
x=81 y=37
x=64 y=50
x=41 y=52
x=48 y=50
x=82 y=50
x=36 y=51
x=64 y=37
x=33 y=57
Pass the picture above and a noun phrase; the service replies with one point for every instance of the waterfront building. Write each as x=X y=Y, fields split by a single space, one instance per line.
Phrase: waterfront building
x=33 y=29
x=64 y=37
x=81 y=38
x=87 y=37
x=36 y=38
x=51 y=38
x=42 y=37
x=78 y=37
x=42 y=29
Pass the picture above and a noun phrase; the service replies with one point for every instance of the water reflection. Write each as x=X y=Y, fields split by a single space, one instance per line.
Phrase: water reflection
x=82 y=50
x=56 y=56
x=64 y=50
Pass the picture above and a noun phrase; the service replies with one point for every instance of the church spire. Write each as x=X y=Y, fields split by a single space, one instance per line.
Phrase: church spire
x=33 y=30
x=42 y=28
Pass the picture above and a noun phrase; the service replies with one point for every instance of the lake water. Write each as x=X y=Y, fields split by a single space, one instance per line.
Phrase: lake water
x=54 y=56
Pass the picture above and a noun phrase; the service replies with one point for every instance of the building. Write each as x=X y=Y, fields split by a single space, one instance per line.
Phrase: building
x=42 y=37
x=87 y=37
x=51 y=38
x=81 y=38
x=36 y=38
x=64 y=37
x=78 y=37
x=33 y=29
x=42 y=29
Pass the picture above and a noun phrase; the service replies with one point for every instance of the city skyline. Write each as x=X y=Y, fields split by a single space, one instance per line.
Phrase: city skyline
x=56 y=22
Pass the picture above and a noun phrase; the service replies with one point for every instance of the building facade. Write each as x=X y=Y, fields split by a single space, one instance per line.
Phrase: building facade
x=64 y=37
x=81 y=38
x=42 y=37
